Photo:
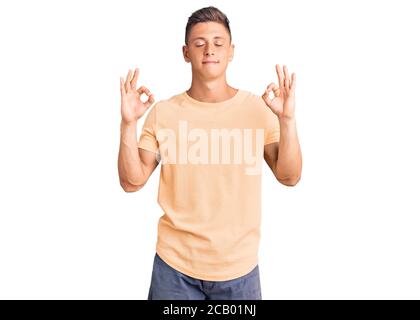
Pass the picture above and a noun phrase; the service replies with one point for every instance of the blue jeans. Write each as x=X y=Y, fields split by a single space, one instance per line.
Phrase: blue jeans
x=170 y=284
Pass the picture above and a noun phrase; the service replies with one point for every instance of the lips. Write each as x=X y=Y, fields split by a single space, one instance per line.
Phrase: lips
x=211 y=61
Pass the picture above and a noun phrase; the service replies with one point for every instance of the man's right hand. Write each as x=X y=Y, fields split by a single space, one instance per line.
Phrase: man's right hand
x=132 y=108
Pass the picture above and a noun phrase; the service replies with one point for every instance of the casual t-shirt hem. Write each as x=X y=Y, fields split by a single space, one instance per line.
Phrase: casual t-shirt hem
x=206 y=277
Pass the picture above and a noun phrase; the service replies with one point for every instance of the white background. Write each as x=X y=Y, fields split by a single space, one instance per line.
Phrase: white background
x=348 y=230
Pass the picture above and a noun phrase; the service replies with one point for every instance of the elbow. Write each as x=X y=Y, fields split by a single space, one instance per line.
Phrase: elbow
x=289 y=181
x=131 y=189
x=128 y=187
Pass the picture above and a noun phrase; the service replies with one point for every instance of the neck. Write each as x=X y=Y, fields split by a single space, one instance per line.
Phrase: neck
x=214 y=90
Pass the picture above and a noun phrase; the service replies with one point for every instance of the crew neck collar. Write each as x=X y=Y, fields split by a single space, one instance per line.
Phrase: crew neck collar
x=223 y=103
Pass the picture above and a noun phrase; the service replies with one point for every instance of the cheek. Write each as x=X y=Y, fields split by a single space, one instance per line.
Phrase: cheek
x=223 y=57
x=224 y=54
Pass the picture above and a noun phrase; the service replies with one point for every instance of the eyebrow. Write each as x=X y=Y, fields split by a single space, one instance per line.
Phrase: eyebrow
x=217 y=37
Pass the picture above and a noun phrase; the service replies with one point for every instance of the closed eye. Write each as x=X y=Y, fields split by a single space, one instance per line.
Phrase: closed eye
x=217 y=45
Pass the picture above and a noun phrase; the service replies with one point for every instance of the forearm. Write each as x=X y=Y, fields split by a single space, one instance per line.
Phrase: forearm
x=129 y=162
x=289 y=158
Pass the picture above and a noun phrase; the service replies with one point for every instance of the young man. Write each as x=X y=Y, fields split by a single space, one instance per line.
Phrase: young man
x=211 y=140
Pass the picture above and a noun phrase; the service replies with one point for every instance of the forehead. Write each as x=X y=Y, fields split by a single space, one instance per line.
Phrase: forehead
x=208 y=30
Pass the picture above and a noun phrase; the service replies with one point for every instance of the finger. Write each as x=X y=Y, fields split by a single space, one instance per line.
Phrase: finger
x=134 y=81
x=266 y=95
x=122 y=89
x=271 y=86
x=280 y=75
x=266 y=98
x=286 y=78
x=150 y=101
x=275 y=88
x=143 y=89
x=293 y=85
x=127 y=81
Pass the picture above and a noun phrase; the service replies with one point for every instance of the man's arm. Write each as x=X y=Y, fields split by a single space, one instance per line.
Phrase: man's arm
x=135 y=165
x=284 y=157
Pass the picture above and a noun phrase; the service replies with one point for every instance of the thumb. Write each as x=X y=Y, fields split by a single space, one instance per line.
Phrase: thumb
x=266 y=98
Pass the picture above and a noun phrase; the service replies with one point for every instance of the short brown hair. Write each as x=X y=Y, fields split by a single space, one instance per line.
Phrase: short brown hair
x=207 y=14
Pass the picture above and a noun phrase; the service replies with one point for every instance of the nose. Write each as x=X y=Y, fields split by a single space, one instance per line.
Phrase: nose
x=209 y=50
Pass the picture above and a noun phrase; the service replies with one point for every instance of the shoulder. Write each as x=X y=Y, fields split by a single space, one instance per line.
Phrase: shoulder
x=163 y=104
x=256 y=103
x=253 y=98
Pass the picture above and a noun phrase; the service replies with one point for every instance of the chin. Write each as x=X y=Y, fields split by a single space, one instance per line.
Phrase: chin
x=211 y=75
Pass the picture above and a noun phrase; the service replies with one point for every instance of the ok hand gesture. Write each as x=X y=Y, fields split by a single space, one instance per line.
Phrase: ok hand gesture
x=283 y=103
x=132 y=108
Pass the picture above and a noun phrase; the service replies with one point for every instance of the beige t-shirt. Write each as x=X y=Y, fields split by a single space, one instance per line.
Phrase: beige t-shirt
x=210 y=181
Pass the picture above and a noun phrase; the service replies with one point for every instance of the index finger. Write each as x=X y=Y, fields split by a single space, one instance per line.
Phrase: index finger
x=150 y=101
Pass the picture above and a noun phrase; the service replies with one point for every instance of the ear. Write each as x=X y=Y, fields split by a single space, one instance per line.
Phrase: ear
x=185 y=53
x=231 y=52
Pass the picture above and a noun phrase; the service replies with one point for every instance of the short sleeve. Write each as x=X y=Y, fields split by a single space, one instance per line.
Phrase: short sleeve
x=271 y=126
x=147 y=138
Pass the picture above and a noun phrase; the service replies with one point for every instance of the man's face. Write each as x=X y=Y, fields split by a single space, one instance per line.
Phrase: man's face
x=208 y=41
